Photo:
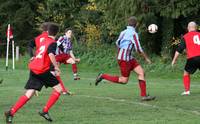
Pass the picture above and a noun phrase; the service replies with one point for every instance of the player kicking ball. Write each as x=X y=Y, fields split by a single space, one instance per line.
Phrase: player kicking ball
x=190 y=42
x=64 y=53
x=127 y=41
x=40 y=75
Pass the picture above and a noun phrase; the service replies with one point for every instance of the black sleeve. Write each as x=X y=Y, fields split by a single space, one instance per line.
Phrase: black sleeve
x=61 y=47
x=31 y=46
x=52 y=48
x=181 y=46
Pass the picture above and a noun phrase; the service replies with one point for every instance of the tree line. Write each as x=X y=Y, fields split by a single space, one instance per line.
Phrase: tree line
x=98 y=22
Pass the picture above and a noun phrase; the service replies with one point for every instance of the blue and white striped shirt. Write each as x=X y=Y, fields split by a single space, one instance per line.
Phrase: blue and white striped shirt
x=127 y=41
x=64 y=45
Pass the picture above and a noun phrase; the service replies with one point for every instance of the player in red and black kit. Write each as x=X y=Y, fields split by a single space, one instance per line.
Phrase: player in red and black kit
x=35 y=44
x=40 y=75
x=191 y=42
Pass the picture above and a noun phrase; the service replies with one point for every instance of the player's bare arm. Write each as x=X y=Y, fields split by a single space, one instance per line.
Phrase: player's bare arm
x=145 y=57
x=175 y=57
x=53 y=60
x=73 y=57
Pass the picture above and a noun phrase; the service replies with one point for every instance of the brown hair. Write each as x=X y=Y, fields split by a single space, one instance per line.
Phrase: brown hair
x=67 y=29
x=53 y=29
x=44 y=26
x=132 y=21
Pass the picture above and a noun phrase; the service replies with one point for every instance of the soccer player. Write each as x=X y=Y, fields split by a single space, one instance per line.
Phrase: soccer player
x=190 y=42
x=35 y=44
x=64 y=52
x=127 y=41
x=32 y=44
x=40 y=75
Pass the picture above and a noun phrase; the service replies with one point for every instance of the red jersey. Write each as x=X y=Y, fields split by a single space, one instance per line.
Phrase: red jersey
x=192 y=41
x=41 y=62
x=40 y=37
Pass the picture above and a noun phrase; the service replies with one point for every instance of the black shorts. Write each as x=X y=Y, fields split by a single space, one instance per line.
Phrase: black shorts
x=192 y=65
x=37 y=81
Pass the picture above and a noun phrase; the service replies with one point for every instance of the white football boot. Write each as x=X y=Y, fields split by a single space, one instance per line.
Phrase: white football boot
x=185 y=93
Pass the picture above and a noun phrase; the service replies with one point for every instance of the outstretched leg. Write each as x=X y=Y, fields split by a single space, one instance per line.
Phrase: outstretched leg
x=19 y=104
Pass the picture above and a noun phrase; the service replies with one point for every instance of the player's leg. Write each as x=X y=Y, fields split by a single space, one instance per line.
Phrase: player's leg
x=186 y=83
x=31 y=86
x=19 y=104
x=142 y=82
x=125 y=72
x=190 y=68
x=74 y=68
x=51 y=101
x=141 y=79
x=51 y=81
x=64 y=89
x=61 y=59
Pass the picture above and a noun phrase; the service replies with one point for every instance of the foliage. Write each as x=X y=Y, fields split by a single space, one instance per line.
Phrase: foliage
x=100 y=21
x=21 y=16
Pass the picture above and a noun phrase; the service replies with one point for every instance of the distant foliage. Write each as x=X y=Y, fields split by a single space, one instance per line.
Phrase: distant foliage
x=99 y=22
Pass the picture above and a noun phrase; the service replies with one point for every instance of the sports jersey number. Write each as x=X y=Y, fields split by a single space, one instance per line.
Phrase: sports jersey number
x=196 y=39
x=39 y=55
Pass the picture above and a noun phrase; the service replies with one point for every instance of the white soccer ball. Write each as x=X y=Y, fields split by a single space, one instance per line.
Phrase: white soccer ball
x=152 y=28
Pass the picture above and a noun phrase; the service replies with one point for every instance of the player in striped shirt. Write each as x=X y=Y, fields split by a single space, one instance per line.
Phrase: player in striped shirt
x=65 y=54
x=127 y=41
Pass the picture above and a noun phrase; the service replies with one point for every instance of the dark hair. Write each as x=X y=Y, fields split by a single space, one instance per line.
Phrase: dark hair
x=132 y=21
x=67 y=29
x=53 y=29
x=44 y=26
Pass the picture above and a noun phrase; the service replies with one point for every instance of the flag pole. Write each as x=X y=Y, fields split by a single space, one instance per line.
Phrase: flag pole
x=7 y=49
x=13 y=53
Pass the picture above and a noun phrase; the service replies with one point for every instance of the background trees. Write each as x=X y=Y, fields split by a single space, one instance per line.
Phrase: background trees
x=98 y=22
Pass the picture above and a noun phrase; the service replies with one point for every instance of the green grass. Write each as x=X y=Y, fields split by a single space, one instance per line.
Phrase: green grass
x=108 y=103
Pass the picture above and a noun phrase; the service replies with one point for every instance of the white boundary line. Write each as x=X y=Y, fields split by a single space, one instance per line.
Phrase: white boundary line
x=179 y=110
x=118 y=100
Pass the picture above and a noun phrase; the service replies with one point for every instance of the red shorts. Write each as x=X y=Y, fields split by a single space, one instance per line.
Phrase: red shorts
x=127 y=66
x=62 y=58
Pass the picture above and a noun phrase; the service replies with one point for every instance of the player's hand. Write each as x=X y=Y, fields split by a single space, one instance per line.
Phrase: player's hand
x=31 y=58
x=148 y=61
x=70 y=93
x=57 y=71
x=173 y=62
x=77 y=59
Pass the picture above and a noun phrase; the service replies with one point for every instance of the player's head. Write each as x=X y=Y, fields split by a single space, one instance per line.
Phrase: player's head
x=44 y=26
x=52 y=29
x=132 y=21
x=192 y=26
x=68 y=32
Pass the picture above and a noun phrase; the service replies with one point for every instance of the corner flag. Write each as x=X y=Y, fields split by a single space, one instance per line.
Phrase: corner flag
x=9 y=34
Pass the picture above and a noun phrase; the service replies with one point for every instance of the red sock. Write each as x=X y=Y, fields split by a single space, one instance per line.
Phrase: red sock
x=22 y=100
x=74 y=68
x=186 y=82
x=142 y=85
x=114 y=79
x=52 y=100
x=62 y=84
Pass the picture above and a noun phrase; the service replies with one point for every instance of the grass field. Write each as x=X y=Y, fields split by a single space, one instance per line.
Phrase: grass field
x=106 y=104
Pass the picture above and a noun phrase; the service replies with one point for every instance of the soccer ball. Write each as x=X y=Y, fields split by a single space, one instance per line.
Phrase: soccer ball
x=152 y=28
